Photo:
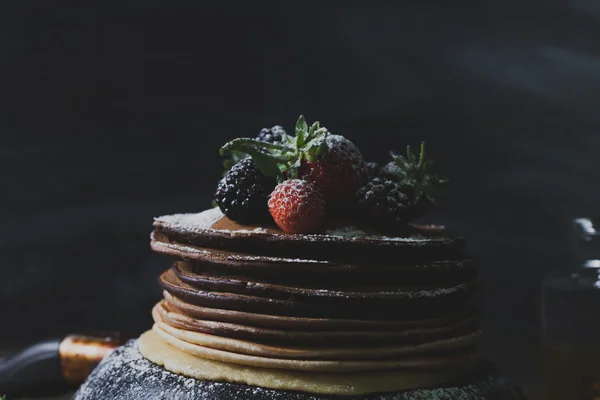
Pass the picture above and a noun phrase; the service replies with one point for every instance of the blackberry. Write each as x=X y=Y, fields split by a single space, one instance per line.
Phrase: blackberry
x=271 y=135
x=417 y=176
x=373 y=170
x=384 y=203
x=243 y=192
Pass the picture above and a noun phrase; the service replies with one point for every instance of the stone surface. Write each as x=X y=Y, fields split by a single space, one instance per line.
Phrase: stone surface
x=125 y=374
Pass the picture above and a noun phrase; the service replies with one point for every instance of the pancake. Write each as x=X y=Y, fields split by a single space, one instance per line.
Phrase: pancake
x=448 y=360
x=255 y=305
x=152 y=347
x=210 y=229
x=356 y=290
x=266 y=335
x=357 y=352
x=304 y=323
x=347 y=278
x=282 y=269
x=423 y=303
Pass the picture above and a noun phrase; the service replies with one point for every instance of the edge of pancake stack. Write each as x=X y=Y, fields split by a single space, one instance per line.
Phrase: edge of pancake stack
x=309 y=276
x=343 y=311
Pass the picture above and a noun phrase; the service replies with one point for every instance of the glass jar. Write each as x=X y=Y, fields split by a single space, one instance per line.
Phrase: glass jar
x=571 y=320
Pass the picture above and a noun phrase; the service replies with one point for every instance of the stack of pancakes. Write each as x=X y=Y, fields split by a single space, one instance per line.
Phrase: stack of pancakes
x=344 y=311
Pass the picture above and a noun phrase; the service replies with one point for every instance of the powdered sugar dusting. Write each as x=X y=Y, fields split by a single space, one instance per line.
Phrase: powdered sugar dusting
x=255 y=230
x=236 y=257
x=346 y=231
x=432 y=292
x=353 y=233
x=203 y=222
x=182 y=248
x=191 y=250
x=127 y=372
x=193 y=222
x=349 y=150
x=126 y=375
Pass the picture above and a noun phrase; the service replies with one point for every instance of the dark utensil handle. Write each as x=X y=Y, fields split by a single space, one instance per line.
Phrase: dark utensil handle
x=55 y=366
x=35 y=371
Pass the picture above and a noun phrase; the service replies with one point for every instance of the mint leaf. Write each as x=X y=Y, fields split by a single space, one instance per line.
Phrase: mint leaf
x=281 y=160
x=316 y=148
x=421 y=156
x=301 y=126
x=289 y=140
x=266 y=164
x=322 y=149
x=294 y=168
x=312 y=154
x=300 y=137
x=242 y=144
x=312 y=132
x=410 y=156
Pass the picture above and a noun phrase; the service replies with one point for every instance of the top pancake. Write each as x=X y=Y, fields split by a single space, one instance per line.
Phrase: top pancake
x=338 y=239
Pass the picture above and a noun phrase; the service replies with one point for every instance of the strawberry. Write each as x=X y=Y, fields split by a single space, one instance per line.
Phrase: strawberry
x=339 y=173
x=297 y=206
x=331 y=162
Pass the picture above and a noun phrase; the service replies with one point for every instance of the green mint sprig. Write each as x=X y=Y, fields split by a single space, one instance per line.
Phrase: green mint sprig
x=283 y=160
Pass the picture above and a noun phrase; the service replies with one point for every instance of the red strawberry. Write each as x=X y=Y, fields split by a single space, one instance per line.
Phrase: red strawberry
x=297 y=206
x=341 y=171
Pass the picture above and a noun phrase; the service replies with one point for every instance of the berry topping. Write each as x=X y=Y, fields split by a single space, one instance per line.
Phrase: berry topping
x=384 y=203
x=331 y=162
x=339 y=173
x=272 y=135
x=417 y=178
x=242 y=194
x=297 y=206
x=373 y=170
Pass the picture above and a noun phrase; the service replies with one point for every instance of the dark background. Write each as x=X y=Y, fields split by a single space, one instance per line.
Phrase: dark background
x=113 y=114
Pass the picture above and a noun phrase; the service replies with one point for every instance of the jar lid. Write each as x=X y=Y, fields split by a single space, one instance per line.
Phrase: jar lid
x=586 y=238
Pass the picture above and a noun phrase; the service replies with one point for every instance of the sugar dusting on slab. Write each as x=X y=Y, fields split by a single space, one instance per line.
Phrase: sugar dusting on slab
x=126 y=374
